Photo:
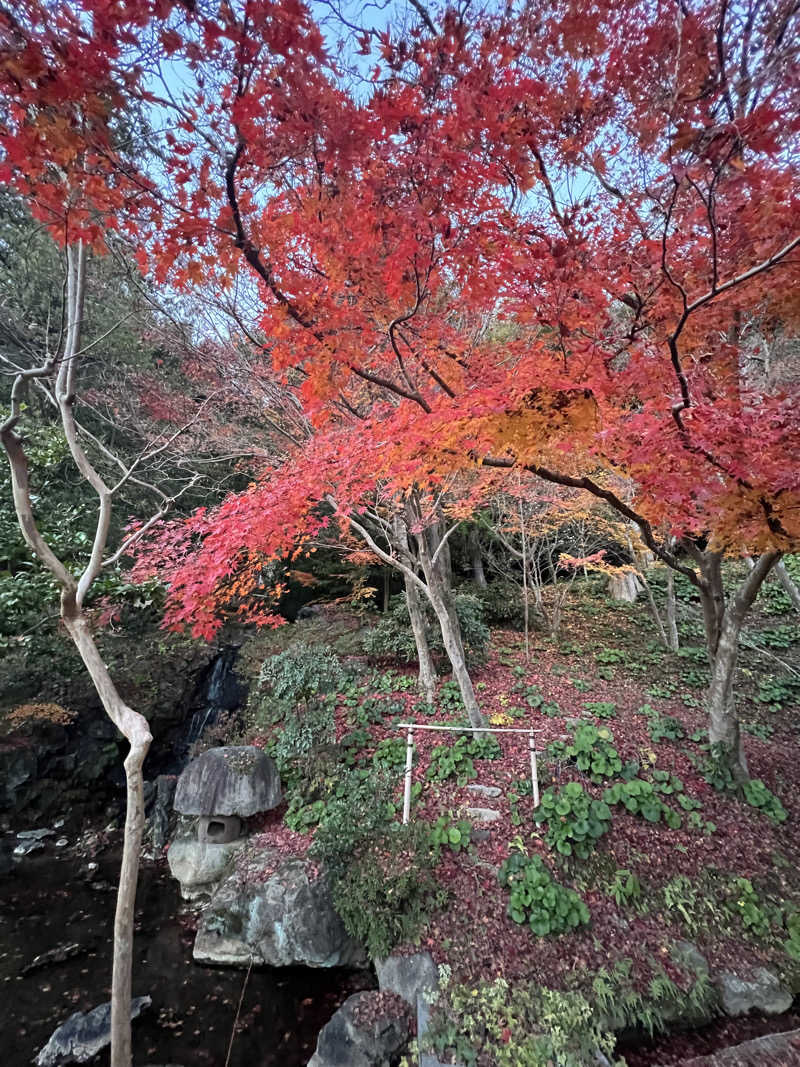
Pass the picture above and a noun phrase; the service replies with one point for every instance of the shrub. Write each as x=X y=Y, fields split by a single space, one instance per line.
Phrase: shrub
x=603 y=709
x=390 y=753
x=301 y=674
x=535 y=899
x=501 y=602
x=301 y=733
x=591 y=750
x=392 y=636
x=575 y=821
x=384 y=889
x=758 y=796
x=641 y=798
x=509 y=1026
x=454 y=834
x=451 y=761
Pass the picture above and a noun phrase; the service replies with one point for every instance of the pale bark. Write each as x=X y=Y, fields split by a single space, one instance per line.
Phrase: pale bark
x=673 y=642
x=130 y=724
x=785 y=580
x=625 y=587
x=441 y=600
x=432 y=586
x=476 y=558
x=723 y=628
x=427 y=670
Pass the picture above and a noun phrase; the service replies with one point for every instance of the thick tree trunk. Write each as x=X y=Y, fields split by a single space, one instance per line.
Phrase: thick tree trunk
x=476 y=558
x=723 y=719
x=625 y=587
x=136 y=731
x=427 y=671
x=723 y=625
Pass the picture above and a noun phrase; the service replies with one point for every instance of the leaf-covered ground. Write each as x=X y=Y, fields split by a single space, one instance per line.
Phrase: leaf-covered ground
x=647 y=885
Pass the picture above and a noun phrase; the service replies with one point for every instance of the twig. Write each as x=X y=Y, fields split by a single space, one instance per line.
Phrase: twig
x=238 y=1011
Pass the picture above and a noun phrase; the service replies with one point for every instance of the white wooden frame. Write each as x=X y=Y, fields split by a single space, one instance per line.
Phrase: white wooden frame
x=412 y=726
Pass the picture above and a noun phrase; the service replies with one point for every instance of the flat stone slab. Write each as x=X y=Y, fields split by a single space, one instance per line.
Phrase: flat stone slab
x=82 y=1036
x=779 y=1050
x=490 y=791
x=483 y=814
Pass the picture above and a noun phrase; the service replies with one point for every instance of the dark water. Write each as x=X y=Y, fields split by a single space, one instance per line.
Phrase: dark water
x=48 y=902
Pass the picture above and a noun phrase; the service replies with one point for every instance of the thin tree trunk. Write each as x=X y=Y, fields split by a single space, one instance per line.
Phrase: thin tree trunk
x=441 y=601
x=130 y=724
x=654 y=610
x=476 y=558
x=525 y=604
x=427 y=671
x=673 y=642
x=785 y=580
x=135 y=729
x=387 y=588
x=788 y=585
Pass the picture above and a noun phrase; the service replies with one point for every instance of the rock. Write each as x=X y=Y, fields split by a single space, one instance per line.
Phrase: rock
x=34 y=835
x=758 y=989
x=426 y=1059
x=55 y=955
x=483 y=814
x=689 y=957
x=369 y=1030
x=408 y=976
x=27 y=846
x=84 y=1035
x=233 y=780
x=774 y=1049
x=62 y=842
x=490 y=791
x=200 y=866
x=285 y=920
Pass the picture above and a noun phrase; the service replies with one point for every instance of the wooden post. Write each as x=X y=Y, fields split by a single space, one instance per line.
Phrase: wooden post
x=407 y=789
x=534 y=771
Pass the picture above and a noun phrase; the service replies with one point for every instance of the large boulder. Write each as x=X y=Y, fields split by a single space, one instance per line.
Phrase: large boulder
x=82 y=1036
x=369 y=1030
x=199 y=865
x=233 y=780
x=756 y=989
x=285 y=919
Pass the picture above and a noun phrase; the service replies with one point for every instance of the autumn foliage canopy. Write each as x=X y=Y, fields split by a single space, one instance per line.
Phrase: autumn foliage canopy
x=558 y=238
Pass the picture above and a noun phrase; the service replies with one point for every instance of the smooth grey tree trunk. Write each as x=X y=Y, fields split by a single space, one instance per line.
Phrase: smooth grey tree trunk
x=673 y=642
x=723 y=625
x=427 y=670
x=476 y=558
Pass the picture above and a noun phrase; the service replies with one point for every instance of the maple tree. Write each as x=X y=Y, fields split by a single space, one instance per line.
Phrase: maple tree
x=542 y=240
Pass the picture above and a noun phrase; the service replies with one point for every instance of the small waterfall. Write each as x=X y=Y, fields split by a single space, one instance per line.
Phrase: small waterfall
x=221 y=692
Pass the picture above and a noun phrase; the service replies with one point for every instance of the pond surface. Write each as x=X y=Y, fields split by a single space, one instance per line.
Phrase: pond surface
x=51 y=900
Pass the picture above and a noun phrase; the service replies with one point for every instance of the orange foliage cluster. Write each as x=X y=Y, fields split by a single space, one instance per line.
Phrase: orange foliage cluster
x=545 y=240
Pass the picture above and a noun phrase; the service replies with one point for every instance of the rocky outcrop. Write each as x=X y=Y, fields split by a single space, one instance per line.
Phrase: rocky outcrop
x=83 y=1035
x=369 y=1030
x=282 y=919
x=757 y=989
x=199 y=865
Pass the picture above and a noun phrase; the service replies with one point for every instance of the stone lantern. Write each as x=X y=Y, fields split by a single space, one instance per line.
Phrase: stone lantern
x=224 y=787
